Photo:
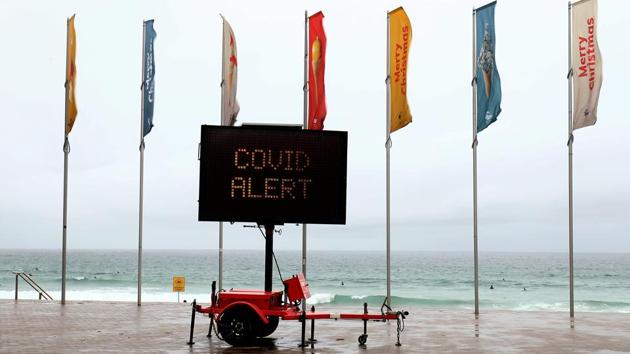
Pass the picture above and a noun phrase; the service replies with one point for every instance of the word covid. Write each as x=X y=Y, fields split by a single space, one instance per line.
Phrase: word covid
x=270 y=174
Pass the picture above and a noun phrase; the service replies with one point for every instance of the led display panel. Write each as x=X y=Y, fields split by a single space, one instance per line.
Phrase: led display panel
x=272 y=175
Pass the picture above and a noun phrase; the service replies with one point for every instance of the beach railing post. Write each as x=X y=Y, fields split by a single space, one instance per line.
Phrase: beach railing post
x=192 y=322
x=16 y=287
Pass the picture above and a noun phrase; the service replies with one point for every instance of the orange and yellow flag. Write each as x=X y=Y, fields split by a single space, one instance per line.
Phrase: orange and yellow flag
x=399 y=43
x=71 y=75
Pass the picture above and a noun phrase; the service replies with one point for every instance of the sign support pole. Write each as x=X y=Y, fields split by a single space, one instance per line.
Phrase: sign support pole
x=388 y=145
x=268 y=257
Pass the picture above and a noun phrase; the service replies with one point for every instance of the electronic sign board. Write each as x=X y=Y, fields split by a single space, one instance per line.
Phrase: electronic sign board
x=272 y=175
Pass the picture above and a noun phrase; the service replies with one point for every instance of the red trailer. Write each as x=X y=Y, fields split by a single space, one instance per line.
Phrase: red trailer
x=243 y=315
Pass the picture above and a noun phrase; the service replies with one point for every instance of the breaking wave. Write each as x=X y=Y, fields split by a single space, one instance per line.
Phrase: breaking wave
x=374 y=300
x=399 y=301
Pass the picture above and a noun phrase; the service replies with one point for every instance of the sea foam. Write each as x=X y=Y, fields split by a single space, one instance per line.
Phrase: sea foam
x=323 y=298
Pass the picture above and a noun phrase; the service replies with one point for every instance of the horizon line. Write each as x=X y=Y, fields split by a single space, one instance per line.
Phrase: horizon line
x=314 y=250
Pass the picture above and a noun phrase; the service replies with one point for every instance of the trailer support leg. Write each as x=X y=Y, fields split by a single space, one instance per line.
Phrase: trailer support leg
x=303 y=320
x=192 y=322
x=212 y=301
x=364 y=336
x=313 y=340
x=400 y=325
x=211 y=325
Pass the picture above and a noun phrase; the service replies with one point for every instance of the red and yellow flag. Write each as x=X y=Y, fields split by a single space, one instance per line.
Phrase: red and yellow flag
x=399 y=43
x=316 y=68
x=71 y=76
x=230 y=76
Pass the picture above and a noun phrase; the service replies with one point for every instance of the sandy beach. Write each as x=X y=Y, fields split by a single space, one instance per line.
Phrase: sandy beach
x=36 y=327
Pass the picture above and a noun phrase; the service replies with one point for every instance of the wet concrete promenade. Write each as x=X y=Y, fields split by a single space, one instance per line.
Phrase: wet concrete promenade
x=79 y=327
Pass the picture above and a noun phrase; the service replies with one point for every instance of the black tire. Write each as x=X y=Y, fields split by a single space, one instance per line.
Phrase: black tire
x=267 y=329
x=237 y=326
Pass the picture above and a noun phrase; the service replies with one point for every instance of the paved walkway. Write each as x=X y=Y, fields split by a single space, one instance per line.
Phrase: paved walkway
x=48 y=327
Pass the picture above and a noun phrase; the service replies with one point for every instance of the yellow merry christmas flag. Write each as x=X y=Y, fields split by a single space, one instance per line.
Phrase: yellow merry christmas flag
x=399 y=43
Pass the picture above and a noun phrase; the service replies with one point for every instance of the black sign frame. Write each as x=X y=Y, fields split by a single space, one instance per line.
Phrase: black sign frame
x=272 y=174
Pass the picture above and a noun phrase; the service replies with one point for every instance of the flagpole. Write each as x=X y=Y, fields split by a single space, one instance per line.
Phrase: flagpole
x=141 y=202
x=387 y=171
x=474 y=146
x=66 y=152
x=222 y=123
x=305 y=89
x=570 y=145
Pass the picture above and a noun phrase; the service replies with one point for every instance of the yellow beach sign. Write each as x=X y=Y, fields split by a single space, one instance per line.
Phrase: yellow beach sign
x=179 y=284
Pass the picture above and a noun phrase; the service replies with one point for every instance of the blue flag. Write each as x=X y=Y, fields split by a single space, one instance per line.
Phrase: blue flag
x=488 y=81
x=148 y=83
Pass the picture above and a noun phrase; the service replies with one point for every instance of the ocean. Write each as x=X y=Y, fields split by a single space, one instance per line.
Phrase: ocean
x=438 y=280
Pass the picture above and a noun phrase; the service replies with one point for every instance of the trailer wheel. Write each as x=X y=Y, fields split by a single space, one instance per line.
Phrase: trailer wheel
x=264 y=330
x=236 y=326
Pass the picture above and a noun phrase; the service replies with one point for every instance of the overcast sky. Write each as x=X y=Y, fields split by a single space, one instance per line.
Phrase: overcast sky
x=522 y=157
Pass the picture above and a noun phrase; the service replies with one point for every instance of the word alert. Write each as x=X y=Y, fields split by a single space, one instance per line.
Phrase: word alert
x=270 y=162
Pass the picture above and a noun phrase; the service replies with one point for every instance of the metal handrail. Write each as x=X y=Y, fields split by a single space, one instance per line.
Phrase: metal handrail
x=27 y=278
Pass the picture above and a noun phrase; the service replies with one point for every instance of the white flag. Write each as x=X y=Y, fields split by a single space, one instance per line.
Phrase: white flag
x=230 y=71
x=586 y=63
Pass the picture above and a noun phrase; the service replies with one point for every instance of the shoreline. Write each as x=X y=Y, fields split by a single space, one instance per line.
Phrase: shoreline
x=328 y=305
x=96 y=326
x=329 y=301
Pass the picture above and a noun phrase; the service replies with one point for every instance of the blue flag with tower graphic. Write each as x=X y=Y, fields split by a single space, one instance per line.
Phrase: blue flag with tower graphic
x=488 y=81
x=148 y=76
